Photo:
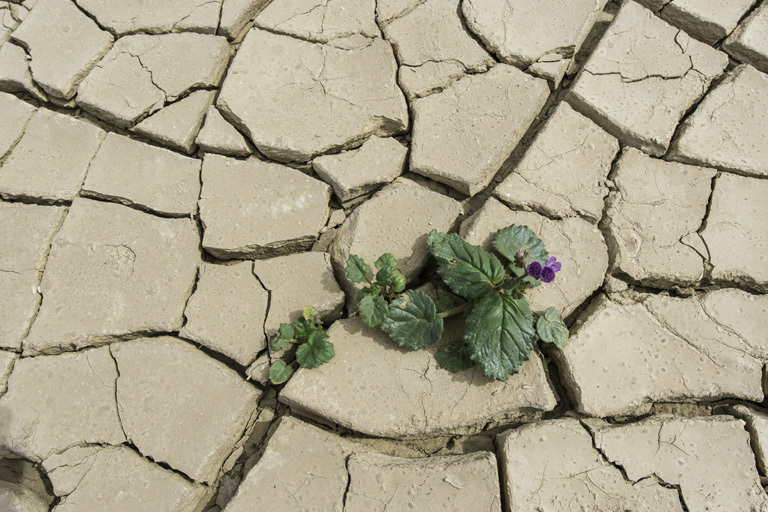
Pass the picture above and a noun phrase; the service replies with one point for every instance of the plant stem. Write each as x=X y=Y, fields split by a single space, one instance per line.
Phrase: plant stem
x=454 y=311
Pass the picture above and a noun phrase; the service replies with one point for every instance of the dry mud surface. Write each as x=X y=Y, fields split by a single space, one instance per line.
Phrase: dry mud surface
x=178 y=178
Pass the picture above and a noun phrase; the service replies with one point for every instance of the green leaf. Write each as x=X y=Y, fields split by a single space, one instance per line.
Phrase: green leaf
x=286 y=331
x=303 y=329
x=445 y=303
x=280 y=372
x=280 y=344
x=373 y=291
x=368 y=290
x=384 y=277
x=413 y=321
x=398 y=281
x=514 y=239
x=515 y=270
x=386 y=260
x=316 y=351
x=454 y=356
x=509 y=284
x=373 y=310
x=516 y=287
x=357 y=270
x=551 y=328
x=500 y=334
x=467 y=269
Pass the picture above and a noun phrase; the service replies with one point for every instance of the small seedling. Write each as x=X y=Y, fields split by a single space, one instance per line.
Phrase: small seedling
x=313 y=347
x=501 y=329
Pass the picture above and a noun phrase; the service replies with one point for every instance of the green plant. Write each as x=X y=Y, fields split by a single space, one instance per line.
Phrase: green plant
x=501 y=329
x=313 y=347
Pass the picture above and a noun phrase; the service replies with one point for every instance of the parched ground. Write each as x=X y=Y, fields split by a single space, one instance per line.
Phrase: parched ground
x=177 y=178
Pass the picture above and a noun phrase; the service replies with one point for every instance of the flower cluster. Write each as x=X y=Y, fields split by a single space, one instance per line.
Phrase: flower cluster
x=545 y=273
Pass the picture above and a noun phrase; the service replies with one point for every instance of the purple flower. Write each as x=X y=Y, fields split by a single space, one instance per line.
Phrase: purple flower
x=534 y=270
x=547 y=272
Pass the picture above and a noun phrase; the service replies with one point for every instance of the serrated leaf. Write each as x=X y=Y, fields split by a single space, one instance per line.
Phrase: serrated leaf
x=454 y=356
x=551 y=328
x=373 y=310
x=303 y=329
x=500 y=334
x=280 y=372
x=413 y=321
x=445 y=303
x=357 y=269
x=279 y=344
x=286 y=331
x=467 y=269
x=514 y=239
x=316 y=351
x=386 y=260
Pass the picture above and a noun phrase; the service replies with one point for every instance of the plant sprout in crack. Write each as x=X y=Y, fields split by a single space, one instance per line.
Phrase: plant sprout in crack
x=501 y=330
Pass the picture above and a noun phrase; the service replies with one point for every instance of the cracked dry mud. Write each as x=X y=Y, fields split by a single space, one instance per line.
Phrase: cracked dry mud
x=179 y=178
